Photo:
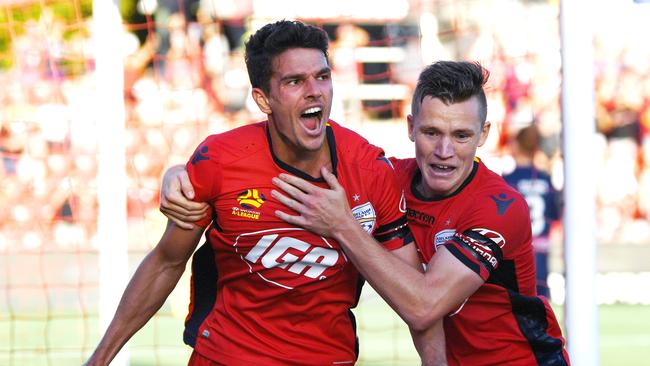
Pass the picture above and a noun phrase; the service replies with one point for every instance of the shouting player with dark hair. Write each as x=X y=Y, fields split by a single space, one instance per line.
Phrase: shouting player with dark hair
x=472 y=230
x=264 y=292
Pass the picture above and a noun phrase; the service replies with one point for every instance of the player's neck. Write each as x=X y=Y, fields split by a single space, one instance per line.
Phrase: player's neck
x=523 y=160
x=306 y=161
x=309 y=162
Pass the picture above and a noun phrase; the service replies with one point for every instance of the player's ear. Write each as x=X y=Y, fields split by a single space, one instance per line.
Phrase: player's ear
x=410 y=121
x=261 y=100
x=484 y=133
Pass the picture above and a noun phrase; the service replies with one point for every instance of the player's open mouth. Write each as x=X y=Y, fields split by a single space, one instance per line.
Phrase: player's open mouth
x=311 y=118
x=439 y=168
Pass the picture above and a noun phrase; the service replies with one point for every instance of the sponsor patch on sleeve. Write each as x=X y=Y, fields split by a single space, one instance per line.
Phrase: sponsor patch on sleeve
x=443 y=236
x=477 y=251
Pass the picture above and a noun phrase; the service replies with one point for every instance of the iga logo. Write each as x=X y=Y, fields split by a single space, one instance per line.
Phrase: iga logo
x=287 y=261
x=366 y=216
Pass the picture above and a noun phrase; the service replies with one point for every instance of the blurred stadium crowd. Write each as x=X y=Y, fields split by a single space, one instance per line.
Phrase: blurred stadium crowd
x=185 y=78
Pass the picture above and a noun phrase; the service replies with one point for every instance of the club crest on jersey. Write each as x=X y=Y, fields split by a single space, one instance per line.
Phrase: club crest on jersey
x=496 y=237
x=366 y=216
x=443 y=236
x=249 y=200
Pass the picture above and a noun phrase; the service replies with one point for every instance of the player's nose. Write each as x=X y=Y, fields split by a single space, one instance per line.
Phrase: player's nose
x=444 y=148
x=313 y=89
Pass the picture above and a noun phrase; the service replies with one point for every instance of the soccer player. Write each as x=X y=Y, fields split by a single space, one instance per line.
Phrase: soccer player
x=536 y=187
x=471 y=228
x=264 y=292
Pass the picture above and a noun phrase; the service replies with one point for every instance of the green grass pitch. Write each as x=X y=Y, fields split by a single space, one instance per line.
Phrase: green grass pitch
x=66 y=339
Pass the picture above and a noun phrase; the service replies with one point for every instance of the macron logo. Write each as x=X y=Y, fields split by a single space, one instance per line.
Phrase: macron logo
x=502 y=203
x=199 y=155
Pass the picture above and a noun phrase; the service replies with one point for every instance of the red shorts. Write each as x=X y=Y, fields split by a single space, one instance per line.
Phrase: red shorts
x=197 y=359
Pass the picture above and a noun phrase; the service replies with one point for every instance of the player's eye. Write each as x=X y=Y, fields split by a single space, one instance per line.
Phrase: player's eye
x=430 y=132
x=463 y=136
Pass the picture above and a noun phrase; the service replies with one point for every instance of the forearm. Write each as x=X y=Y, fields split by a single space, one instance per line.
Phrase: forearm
x=430 y=344
x=420 y=299
x=401 y=285
x=145 y=294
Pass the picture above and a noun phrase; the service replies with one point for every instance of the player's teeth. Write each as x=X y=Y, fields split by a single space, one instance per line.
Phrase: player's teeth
x=312 y=110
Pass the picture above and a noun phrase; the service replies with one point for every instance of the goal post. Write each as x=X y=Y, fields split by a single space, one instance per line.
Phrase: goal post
x=579 y=131
x=111 y=170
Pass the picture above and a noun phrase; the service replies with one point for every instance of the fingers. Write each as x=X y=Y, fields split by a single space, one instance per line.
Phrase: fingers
x=297 y=182
x=174 y=201
x=289 y=202
x=182 y=214
x=285 y=183
x=186 y=185
x=180 y=203
x=330 y=178
x=182 y=217
x=290 y=219
x=179 y=223
x=177 y=189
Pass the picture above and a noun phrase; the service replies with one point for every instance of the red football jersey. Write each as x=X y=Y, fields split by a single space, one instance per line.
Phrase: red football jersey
x=486 y=225
x=268 y=293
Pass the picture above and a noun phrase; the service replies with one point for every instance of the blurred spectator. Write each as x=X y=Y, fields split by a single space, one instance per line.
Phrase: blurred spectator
x=345 y=71
x=201 y=86
x=164 y=12
x=137 y=58
x=183 y=68
x=216 y=51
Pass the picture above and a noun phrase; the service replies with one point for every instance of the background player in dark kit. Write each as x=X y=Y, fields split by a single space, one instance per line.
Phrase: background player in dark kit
x=536 y=187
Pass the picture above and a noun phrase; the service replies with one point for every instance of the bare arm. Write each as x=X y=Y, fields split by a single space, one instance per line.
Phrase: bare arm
x=148 y=289
x=430 y=345
x=429 y=342
x=420 y=299
x=176 y=194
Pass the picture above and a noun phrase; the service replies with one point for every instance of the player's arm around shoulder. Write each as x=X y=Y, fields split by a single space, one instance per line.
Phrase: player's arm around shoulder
x=148 y=289
x=176 y=195
x=186 y=189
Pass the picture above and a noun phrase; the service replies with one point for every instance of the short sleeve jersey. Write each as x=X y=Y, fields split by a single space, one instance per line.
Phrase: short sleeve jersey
x=268 y=293
x=485 y=225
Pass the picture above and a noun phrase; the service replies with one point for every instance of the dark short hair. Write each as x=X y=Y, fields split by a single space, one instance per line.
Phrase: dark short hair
x=275 y=38
x=528 y=138
x=452 y=82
